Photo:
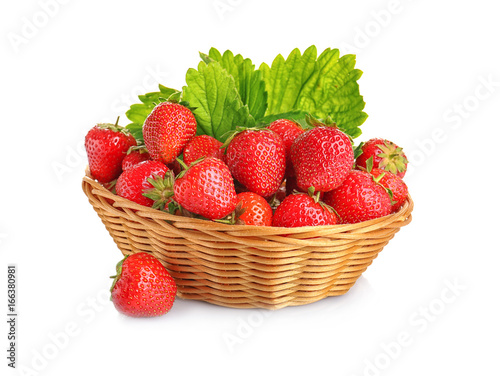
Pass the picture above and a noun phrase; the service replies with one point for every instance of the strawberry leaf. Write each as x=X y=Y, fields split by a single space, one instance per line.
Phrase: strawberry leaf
x=325 y=86
x=212 y=91
x=227 y=91
x=296 y=115
x=249 y=82
x=286 y=78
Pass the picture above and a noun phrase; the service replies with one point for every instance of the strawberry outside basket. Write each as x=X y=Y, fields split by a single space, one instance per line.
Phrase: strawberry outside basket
x=247 y=266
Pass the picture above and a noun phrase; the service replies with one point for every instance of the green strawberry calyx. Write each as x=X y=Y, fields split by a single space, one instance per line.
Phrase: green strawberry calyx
x=314 y=122
x=388 y=190
x=233 y=218
x=162 y=191
x=114 y=127
x=233 y=133
x=327 y=122
x=185 y=167
x=118 y=274
x=140 y=148
x=175 y=97
x=369 y=168
x=392 y=158
x=311 y=191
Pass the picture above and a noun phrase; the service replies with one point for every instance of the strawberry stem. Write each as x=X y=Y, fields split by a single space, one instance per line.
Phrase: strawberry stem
x=182 y=163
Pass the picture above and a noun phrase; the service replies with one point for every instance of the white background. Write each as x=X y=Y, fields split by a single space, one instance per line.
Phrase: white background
x=431 y=83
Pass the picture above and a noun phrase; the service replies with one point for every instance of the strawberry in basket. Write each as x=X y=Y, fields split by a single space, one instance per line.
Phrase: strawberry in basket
x=135 y=155
x=288 y=130
x=396 y=185
x=202 y=146
x=149 y=183
x=322 y=157
x=254 y=209
x=256 y=159
x=385 y=155
x=167 y=130
x=303 y=209
x=359 y=198
x=106 y=146
x=206 y=188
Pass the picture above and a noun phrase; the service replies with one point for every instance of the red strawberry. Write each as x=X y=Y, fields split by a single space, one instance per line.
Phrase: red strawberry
x=359 y=198
x=167 y=130
x=393 y=182
x=207 y=189
x=202 y=146
x=136 y=184
x=134 y=156
x=256 y=158
x=288 y=130
x=106 y=146
x=322 y=157
x=301 y=209
x=385 y=154
x=257 y=211
x=142 y=287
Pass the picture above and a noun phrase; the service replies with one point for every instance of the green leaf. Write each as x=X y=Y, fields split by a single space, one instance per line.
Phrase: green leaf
x=296 y=115
x=227 y=91
x=139 y=112
x=136 y=131
x=286 y=78
x=212 y=91
x=249 y=82
x=323 y=86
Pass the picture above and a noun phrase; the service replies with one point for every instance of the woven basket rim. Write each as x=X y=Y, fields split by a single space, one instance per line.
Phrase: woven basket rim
x=403 y=214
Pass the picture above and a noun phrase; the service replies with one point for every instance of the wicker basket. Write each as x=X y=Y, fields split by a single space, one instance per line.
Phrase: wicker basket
x=247 y=266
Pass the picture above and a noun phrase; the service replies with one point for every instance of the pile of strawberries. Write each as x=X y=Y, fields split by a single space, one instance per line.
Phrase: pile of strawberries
x=282 y=175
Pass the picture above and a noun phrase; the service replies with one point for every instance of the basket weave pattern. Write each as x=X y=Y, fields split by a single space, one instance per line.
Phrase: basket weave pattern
x=247 y=266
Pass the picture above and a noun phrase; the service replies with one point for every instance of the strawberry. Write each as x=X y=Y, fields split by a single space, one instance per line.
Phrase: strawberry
x=107 y=146
x=148 y=183
x=359 y=198
x=256 y=158
x=167 y=130
x=202 y=146
x=142 y=287
x=288 y=130
x=395 y=184
x=135 y=155
x=256 y=210
x=322 y=157
x=385 y=154
x=206 y=188
x=301 y=209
